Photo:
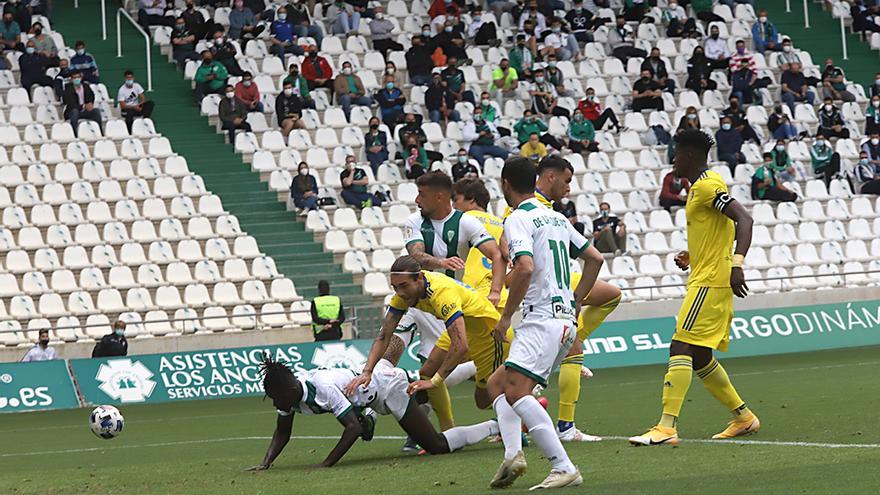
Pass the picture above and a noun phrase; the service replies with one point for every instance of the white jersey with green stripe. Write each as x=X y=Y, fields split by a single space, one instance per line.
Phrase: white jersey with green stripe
x=548 y=237
x=451 y=236
x=323 y=392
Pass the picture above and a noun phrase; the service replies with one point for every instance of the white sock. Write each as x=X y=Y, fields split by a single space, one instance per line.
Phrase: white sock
x=543 y=433
x=461 y=373
x=462 y=436
x=510 y=426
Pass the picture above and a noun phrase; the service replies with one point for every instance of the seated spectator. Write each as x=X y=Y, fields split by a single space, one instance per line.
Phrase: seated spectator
x=690 y=120
x=482 y=135
x=21 y=13
x=780 y=125
x=391 y=101
x=79 y=102
x=33 y=67
x=418 y=62
x=243 y=23
x=787 y=56
x=558 y=43
x=350 y=90
x=44 y=43
x=354 y=186
x=41 y=351
x=317 y=71
x=834 y=83
x=411 y=128
x=544 y=97
x=716 y=49
x=114 y=343
x=183 y=44
x=343 y=18
x=481 y=31
x=304 y=190
x=592 y=111
x=10 y=33
x=794 y=87
x=555 y=77
x=288 y=110
x=533 y=16
x=247 y=92
x=738 y=119
x=676 y=21
x=415 y=160
x=303 y=26
x=742 y=57
x=522 y=59
x=621 y=42
x=782 y=166
x=581 y=21
x=863 y=17
x=647 y=93
x=505 y=81
x=380 y=33
x=872 y=148
x=210 y=77
x=743 y=84
x=283 y=38
x=463 y=167
x=765 y=186
x=533 y=149
x=453 y=79
x=300 y=86
x=729 y=144
x=764 y=34
x=440 y=102
x=831 y=122
x=233 y=114
x=657 y=67
x=451 y=43
x=567 y=208
x=528 y=125
x=875 y=88
x=699 y=69
x=224 y=52
x=868 y=175
x=132 y=101
x=581 y=135
x=62 y=78
x=826 y=163
x=674 y=191
x=376 y=145
x=445 y=9
x=195 y=22
x=152 y=13
x=872 y=116
x=609 y=233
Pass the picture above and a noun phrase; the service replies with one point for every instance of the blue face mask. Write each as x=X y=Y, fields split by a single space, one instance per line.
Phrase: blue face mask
x=726 y=127
x=120 y=332
x=389 y=86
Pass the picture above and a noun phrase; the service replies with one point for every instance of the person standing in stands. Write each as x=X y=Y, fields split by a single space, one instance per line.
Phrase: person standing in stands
x=132 y=102
x=41 y=351
x=113 y=344
x=327 y=314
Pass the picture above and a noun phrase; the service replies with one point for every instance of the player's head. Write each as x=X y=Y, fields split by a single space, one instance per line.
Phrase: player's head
x=279 y=384
x=435 y=193
x=554 y=177
x=692 y=150
x=517 y=178
x=470 y=193
x=407 y=279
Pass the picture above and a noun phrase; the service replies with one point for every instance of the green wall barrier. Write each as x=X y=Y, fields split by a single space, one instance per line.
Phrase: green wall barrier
x=36 y=386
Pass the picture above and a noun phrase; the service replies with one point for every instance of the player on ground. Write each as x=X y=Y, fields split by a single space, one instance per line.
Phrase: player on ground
x=539 y=241
x=321 y=391
x=715 y=220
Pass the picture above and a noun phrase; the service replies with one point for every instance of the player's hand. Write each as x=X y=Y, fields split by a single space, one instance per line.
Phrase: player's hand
x=499 y=333
x=418 y=386
x=455 y=263
x=494 y=297
x=362 y=380
x=258 y=467
x=683 y=260
x=738 y=282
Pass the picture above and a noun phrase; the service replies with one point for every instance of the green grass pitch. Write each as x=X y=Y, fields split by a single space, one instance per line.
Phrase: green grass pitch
x=827 y=402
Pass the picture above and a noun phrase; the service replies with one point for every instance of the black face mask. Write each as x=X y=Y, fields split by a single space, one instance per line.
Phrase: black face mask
x=699 y=54
x=38 y=32
x=294 y=74
x=313 y=54
x=44 y=343
x=646 y=79
x=715 y=36
x=373 y=127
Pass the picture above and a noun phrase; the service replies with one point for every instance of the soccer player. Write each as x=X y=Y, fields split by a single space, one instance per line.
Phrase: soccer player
x=715 y=220
x=539 y=241
x=321 y=391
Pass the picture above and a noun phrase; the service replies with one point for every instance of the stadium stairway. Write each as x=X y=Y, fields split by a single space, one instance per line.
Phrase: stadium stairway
x=279 y=234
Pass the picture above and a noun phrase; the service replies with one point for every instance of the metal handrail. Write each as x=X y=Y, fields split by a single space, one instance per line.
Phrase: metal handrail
x=122 y=12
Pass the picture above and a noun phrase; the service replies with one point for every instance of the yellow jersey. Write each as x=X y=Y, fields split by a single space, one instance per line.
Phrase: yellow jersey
x=710 y=232
x=448 y=299
x=478 y=268
x=544 y=200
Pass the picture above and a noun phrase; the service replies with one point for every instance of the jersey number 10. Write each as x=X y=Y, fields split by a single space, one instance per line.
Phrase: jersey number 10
x=559 y=251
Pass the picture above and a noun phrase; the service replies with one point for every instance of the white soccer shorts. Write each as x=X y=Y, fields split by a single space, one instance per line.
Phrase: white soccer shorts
x=539 y=345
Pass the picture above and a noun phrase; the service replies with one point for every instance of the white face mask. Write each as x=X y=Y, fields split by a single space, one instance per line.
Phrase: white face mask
x=247 y=83
x=762 y=19
x=565 y=201
x=876 y=103
x=485 y=102
x=218 y=41
x=875 y=141
x=303 y=171
x=230 y=95
x=379 y=15
x=780 y=147
x=288 y=91
x=346 y=70
x=129 y=82
x=786 y=48
x=828 y=107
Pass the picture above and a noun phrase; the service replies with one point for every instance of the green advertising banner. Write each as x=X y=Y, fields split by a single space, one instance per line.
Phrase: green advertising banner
x=35 y=386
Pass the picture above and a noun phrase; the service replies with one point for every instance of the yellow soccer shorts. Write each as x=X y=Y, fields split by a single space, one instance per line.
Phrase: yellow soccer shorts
x=486 y=353
x=705 y=317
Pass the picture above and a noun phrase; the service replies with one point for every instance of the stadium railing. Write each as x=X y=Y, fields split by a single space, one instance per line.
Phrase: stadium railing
x=147 y=41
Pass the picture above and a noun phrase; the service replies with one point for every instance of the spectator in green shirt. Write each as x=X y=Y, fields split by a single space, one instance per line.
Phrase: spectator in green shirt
x=782 y=162
x=581 y=135
x=505 y=81
x=765 y=185
x=521 y=58
x=826 y=163
x=527 y=125
x=210 y=77
x=300 y=85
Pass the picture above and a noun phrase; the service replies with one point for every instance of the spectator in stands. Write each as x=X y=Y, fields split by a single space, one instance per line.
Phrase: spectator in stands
x=132 y=102
x=609 y=233
x=505 y=81
x=592 y=111
x=300 y=86
x=864 y=17
x=531 y=15
x=544 y=100
x=354 y=182
x=451 y=42
x=782 y=166
x=764 y=34
x=742 y=57
x=183 y=44
x=581 y=22
x=499 y=7
x=729 y=144
x=826 y=163
x=581 y=135
x=343 y=17
x=376 y=145
x=152 y=13
x=740 y=122
x=453 y=79
x=482 y=135
x=327 y=314
x=528 y=125
x=195 y=22
x=304 y=190
x=743 y=83
x=233 y=114
x=868 y=175
x=794 y=87
x=787 y=56
x=674 y=191
x=703 y=11
x=79 y=102
x=533 y=149
x=224 y=52
x=10 y=33
x=621 y=42
x=439 y=102
x=21 y=13
x=676 y=21
x=283 y=38
x=522 y=59
x=210 y=77
x=445 y=9
x=411 y=128
x=716 y=49
x=872 y=148
x=463 y=167
x=243 y=23
x=690 y=120
x=647 y=93
x=41 y=350
x=699 y=68
x=418 y=62
x=482 y=32
x=875 y=88
x=562 y=45
x=555 y=77
x=247 y=92
x=33 y=67
x=391 y=101
x=44 y=43
x=872 y=116
x=635 y=10
x=780 y=125
x=380 y=33
x=288 y=110
x=62 y=78
x=765 y=185
x=298 y=13
x=657 y=67
x=317 y=71
x=831 y=122
x=350 y=90
x=834 y=82
x=567 y=208
x=113 y=344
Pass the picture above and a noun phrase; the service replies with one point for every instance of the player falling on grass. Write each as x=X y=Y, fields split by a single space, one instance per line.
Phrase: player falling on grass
x=321 y=391
x=715 y=220
x=539 y=241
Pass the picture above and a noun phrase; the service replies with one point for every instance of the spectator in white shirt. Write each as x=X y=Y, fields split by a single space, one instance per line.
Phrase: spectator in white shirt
x=132 y=102
x=540 y=22
x=481 y=31
x=716 y=49
x=563 y=45
x=152 y=13
x=41 y=351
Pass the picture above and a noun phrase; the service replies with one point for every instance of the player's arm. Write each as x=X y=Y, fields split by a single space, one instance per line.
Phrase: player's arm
x=458 y=348
x=517 y=285
x=743 y=235
x=380 y=345
x=283 y=430
x=491 y=250
x=352 y=431
x=416 y=249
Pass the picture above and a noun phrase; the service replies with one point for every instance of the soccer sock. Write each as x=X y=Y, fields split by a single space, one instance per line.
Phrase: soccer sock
x=675 y=387
x=541 y=429
x=461 y=373
x=718 y=384
x=462 y=436
x=442 y=404
x=509 y=425
x=593 y=316
x=569 y=390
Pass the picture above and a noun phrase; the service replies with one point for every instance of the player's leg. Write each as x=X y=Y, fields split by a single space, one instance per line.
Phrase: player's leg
x=439 y=395
x=488 y=355
x=417 y=425
x=510 y=428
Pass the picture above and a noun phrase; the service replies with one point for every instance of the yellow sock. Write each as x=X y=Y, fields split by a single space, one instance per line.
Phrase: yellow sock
x=569 y=386
x=593 y=316
x=442 y=404
x=675 y=387
x=718 y=384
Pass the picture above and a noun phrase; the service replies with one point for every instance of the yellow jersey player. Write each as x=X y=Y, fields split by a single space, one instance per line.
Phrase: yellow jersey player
x=714 y=221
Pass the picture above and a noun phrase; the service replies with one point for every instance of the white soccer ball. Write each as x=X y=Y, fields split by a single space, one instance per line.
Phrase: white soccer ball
x=106 y=422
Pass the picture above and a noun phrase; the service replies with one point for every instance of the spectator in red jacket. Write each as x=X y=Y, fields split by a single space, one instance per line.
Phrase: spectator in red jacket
x=246 y=91
x=317 y=71
x=592 y=111
x=674 y=191
x=444 y=7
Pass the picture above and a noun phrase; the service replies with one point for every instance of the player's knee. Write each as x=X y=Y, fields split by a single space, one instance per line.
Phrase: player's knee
x=482 y=398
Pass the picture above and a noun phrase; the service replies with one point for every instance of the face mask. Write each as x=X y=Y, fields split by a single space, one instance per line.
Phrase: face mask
x=230 y=95
x=218 y=41
x=294 y=74
x=38 y=32
x=129 y=82
x=80 y=51
x=673 y=6
x=875 y=141
x=714 y=36
x=877 y=82
x=282 y=17
x=876 y=103
x=578 y=117
x=863 y=161
x=762 y=19
x=555 y=29
x=206 y=61
x=780 y=147
x=476 y=18
x=373 y=127
x=288 y=91
x=247 y=83
x=44 y=343
x=346 y=70
x=120 y=332
x=77 y=81
x=605 y=213
x=786 y=48
x=426 y=34
x=539 y=79
x=303 y=171
x=378 y=15
x=478 y=117
x=411 y=123
x=827 y=107
x=565 y=201
x=740 y=51
x=522 y=44
x=591 y=97
x=180 y=27
x=485 y=102
x=820 y=143
x=530 y=118
x=190 y=6
x=389 y=86
x=390 y=71
x=448 y=29
x=692 y=116
x=30 y=50
x=462 y=159
x=646 y=78
x=726 y=127
x=313 y=54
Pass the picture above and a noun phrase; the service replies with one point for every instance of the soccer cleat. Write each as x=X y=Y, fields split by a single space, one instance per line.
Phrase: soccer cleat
x=410 y=446
x=658 y=435
x=558 y=479
x=574 y=435
x=739 y=428
x=509 y=471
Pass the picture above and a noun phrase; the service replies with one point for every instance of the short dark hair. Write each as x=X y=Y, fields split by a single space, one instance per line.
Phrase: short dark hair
x=247 y=74
x=406 y=264
x=694 y=139
x=519 y=172
x=127 y=73
x=555 y=163
x=79 y=43
x=472 y=188
x=42 y=331
x=323 y=287
x=436 y=180
x=767 y=155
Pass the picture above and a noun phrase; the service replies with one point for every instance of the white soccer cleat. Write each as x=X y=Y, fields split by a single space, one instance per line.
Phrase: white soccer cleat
x=509 y=471
x=586 y=372
x=558 y=479
x=574 y=435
